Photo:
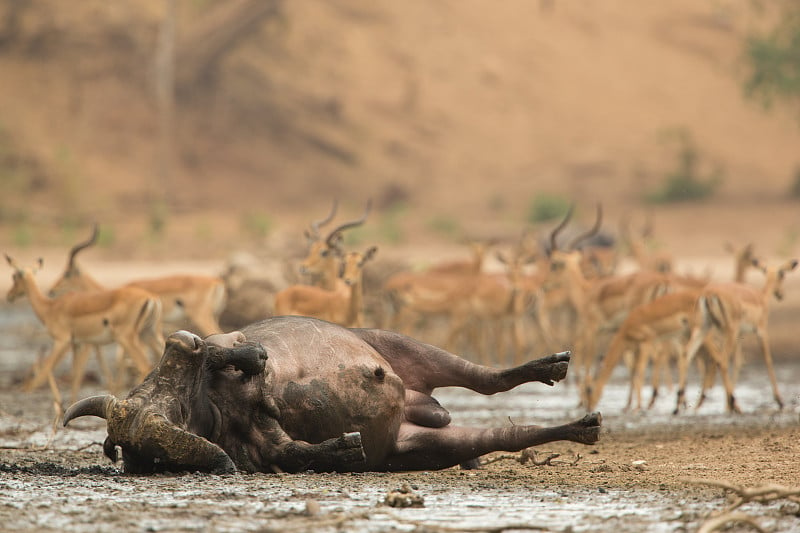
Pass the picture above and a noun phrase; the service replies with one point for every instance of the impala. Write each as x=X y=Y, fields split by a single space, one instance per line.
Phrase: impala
x=124 y=315
x=196 y=298
x=343 y=305
x=323 y=260
x=733 y=309
x=665 y=319
x=647 y=259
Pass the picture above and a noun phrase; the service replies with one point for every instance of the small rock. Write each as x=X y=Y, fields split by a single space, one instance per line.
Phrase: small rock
x=312 y=508
x=404 y=497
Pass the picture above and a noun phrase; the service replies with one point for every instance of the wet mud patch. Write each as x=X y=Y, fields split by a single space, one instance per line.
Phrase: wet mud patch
x=639 y=477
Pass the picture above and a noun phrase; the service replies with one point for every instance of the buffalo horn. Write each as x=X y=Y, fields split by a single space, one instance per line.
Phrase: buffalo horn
x=93 y=406
x=184 y=449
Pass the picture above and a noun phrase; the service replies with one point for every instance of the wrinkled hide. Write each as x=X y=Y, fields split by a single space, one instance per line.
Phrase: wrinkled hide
x=294 y=393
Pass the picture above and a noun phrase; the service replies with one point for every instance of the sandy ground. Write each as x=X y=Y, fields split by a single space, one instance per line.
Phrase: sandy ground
x=637 y=478
x=649 y=472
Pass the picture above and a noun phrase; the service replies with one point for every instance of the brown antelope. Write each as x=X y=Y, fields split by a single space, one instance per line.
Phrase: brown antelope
x=664 y=319
x=640 y=249
x=323 y=260
x=591 y=303
x=654 y=329
x=343 y=305
x=479 y=300
x=743 y=260
x=196 y=298
x=474 y=265
x=124 y=315
x=733 y=309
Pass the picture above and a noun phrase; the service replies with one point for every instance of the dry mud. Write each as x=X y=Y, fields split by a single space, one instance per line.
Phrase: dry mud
x=640 y=477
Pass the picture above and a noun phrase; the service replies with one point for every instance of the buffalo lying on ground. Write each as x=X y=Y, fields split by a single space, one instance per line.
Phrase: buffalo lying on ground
x=293 y=394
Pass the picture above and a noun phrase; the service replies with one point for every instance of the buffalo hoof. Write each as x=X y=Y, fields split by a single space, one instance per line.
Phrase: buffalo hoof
x=349 y=449
x=587 y=429
x=550 y=369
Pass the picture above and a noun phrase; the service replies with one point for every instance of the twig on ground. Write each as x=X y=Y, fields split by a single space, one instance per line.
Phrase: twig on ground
x=740 y=496
x=530 y=455
x=718 y=522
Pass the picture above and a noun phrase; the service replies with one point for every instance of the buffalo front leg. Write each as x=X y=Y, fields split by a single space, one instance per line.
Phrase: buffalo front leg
x=420 y=448
x=424 y=367
x=341 y=454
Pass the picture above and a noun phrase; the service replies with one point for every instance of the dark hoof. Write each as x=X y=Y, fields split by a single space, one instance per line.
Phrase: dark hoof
x=588 y=428
x=350 y=449
x=552 y=368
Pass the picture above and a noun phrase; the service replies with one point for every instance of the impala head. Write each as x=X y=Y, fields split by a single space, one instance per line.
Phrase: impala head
x=775 y=275
x=323 y=252
x=353 y=265
x=73 y=279
x=162 y=424
x=19 y=288
x=570 y=257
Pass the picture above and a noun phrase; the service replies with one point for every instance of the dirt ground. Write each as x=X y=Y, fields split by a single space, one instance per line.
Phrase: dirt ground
x=639 y=477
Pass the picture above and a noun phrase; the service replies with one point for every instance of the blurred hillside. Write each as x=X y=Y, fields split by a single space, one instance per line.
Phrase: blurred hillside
x=460 y=111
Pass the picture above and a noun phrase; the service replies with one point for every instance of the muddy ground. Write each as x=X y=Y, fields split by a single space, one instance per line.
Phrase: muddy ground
x=638 y=478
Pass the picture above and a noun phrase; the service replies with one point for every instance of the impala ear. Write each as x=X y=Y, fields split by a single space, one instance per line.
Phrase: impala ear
x=757 y=264
x=372 y=250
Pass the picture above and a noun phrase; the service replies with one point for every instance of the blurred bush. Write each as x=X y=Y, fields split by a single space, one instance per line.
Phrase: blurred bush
x=684 y=183
x=545 y=207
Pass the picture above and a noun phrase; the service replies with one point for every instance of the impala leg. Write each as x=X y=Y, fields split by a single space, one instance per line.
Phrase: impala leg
x=641 y=359
x=660 y=360
x=699 y=334
x=80 y=356
x=765 y=349
x=708 y=369
x=423 y=448
x=133 y=347
x=43 y=370
x=108 y=377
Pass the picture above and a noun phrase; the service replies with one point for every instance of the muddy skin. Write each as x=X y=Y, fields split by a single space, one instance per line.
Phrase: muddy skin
x=303 y=394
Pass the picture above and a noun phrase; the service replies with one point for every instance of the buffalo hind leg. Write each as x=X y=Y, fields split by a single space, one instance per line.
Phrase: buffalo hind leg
x=421 y=448
x=424 y=367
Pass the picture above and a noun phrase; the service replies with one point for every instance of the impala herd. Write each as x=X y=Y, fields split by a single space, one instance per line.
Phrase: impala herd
x=569 y=296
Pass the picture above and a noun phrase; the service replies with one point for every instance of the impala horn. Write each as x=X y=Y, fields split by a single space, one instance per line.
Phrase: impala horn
x=314 y=233
x=347 y=225
x=592 y=232
x=80 y=246
x=561 y=226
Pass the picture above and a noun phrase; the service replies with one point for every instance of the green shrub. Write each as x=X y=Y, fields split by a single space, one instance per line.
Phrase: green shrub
x=257 y=225
x=684 y=183
x=445 y=226
x=546 y=207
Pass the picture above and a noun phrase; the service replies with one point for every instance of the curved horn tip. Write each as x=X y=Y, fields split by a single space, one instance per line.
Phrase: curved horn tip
x=98 y=406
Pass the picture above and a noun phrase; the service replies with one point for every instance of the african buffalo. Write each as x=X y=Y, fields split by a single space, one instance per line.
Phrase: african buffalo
x=294 y=393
